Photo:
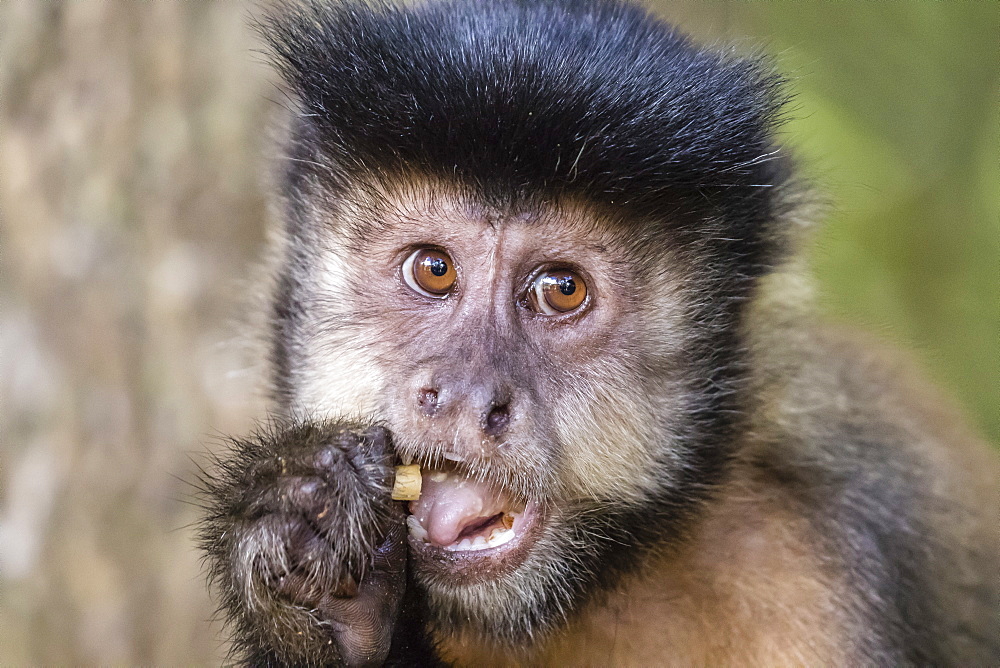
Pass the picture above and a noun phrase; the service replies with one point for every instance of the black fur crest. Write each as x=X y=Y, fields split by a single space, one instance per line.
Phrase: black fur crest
x=524 y=100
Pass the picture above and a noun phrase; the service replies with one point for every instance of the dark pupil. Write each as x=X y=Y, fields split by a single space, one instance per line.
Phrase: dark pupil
x=567 y=285
x=439 y=267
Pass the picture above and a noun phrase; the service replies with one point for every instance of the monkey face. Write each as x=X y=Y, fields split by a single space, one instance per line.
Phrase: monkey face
x=509 y=353
x=522 y=244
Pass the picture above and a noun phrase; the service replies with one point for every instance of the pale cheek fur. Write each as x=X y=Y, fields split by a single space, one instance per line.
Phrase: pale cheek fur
x=662 y=322
x=338 y=376
x=607 y=449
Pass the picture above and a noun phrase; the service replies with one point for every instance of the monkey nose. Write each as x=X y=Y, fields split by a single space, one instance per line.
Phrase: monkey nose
x=496 y=419
x=490 y=411
x=428 y=401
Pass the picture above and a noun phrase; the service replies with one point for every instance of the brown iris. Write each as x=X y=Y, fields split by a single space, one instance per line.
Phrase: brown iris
x=430 y=272
x=559 y=291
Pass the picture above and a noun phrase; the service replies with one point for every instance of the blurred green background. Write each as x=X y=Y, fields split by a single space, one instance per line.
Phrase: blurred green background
x=133 y=144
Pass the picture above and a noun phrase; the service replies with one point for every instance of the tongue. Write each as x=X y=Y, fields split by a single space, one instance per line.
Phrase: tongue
x=449 y=505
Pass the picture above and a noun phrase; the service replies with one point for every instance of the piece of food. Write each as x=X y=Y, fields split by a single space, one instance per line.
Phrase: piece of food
x=407 y=484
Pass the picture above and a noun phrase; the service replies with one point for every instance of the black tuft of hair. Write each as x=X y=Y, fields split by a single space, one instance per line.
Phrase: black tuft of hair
x=524 y=101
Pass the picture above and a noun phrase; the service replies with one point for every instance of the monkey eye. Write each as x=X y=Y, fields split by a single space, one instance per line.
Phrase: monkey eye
x=558 y=291
x=430 y=272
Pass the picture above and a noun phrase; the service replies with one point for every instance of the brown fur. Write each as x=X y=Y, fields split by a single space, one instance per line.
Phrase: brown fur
x=752 y=585
x=747 y=589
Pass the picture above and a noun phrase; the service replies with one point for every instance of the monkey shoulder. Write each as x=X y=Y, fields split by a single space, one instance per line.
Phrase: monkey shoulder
x=900 y=498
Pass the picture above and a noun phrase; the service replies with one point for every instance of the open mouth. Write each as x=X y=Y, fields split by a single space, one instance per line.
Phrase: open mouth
x=460 y=520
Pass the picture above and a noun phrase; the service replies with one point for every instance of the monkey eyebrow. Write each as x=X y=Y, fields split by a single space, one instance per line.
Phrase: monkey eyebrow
x=575 y=249
x=596 y=247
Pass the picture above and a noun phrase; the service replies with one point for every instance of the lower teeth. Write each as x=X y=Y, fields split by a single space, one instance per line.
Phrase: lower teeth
x=497 y=537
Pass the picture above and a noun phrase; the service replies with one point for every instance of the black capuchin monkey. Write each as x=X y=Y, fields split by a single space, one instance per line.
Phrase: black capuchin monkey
x=547 y=250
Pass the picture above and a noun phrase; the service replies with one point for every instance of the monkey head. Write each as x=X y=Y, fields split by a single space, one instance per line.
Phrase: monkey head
x=529 y=265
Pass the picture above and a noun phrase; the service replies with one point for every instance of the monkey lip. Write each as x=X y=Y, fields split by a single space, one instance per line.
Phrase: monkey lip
x=459 y=522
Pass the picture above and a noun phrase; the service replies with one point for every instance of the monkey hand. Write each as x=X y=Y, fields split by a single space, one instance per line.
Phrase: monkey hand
x=305 y=546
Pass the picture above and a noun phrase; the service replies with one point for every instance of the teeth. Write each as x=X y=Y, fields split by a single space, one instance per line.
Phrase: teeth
x=439 y=476
x=416 y=529
x=500 y=536
x=497 y=538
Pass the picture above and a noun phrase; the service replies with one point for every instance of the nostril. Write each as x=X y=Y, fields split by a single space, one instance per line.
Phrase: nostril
x=497 y=420
x=427 y=399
